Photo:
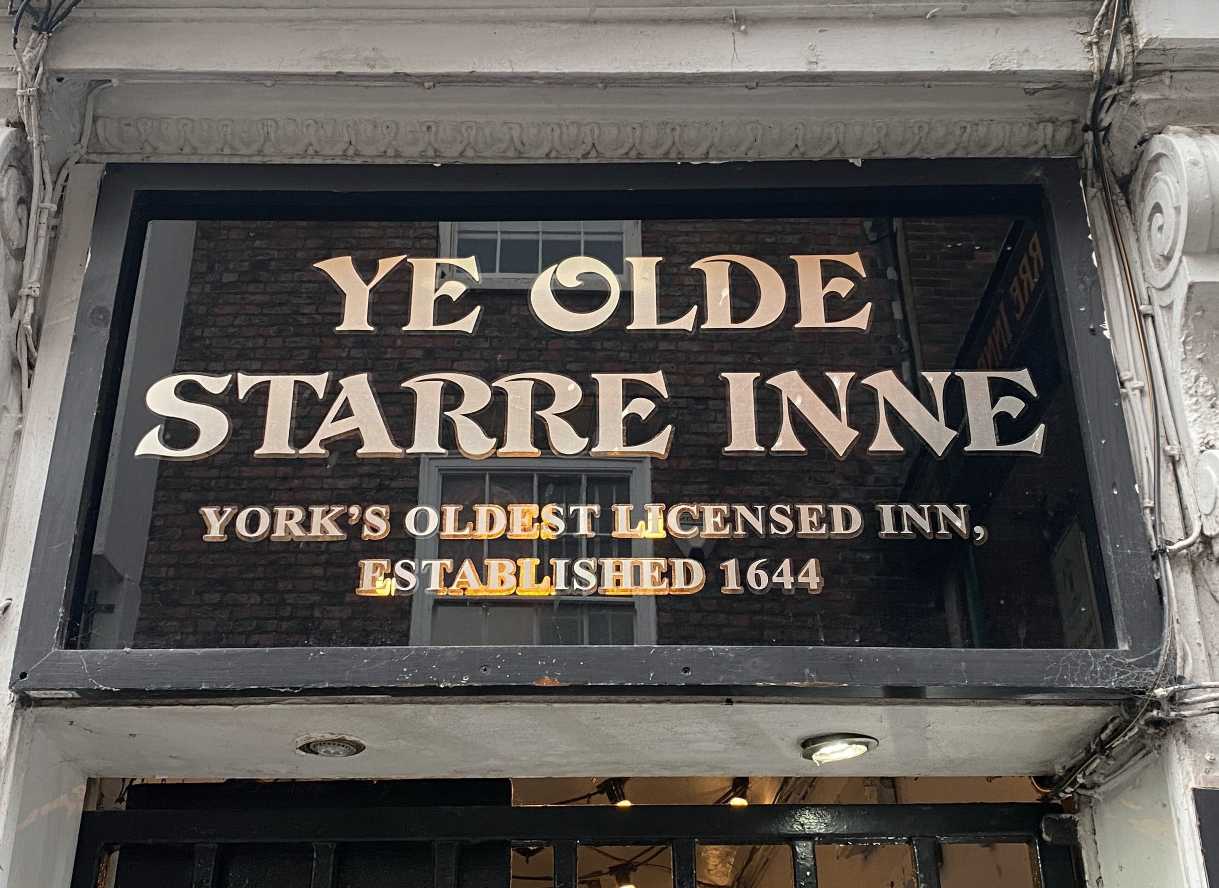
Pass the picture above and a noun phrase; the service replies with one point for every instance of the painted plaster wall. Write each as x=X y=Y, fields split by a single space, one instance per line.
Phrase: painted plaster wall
x=40 y=792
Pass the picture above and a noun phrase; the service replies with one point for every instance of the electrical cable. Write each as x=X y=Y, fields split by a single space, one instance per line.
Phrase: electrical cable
x=1117 y=735
x=574 y=799
x=17 y=17
x=46 y=189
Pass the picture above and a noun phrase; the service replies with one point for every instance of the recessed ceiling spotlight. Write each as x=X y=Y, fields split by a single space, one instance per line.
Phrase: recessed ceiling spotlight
x=825 y=749
x=332 y=747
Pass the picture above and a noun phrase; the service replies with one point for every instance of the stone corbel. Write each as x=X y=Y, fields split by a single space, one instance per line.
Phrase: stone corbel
x=1175 y=197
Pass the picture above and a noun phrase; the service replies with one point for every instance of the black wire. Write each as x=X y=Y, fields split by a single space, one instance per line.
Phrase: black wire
x=1100 y=134
x=579 y=798
x=21 y=10
x=49 y=17
x=1119 y=14
x=62 y=11
x=637 y=860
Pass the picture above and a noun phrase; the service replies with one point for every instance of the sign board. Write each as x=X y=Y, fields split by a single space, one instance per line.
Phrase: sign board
x=745 y=430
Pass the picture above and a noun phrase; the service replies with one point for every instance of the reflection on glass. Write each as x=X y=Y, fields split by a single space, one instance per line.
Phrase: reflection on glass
x=996 y=865
x=946 y=293
x=528 y=247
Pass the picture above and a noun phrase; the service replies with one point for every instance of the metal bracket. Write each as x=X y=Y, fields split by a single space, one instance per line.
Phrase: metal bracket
x=1060 y=829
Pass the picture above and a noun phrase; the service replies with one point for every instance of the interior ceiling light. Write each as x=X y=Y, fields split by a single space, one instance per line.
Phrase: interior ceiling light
x=623 y=876
x=825 y=749
x=614 y=789
x=738 y=796
x=332 y=747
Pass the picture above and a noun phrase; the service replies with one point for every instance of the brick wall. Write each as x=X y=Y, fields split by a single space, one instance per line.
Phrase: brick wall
x=256 y=305
x=949 y=262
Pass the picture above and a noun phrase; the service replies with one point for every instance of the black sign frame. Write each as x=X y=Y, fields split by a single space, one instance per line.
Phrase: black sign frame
x=131 y=195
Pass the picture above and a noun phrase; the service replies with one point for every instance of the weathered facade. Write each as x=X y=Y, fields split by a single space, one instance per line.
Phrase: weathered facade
x=1027 y=192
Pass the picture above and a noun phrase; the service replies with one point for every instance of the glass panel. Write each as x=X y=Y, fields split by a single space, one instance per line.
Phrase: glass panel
x=513 y=487
x=518 y=251
x=559 y=240
x=555 y=249
x=865 y=866
x=509 y=624
x=606 y=491
x=479 y=227
x=602 y=227
x=617 y=867
x=532 y=866
x=995 y=865
x=285 y=864
x=611 y=625
x=481 y=247
x=457 y=623
x=565 y=491
x=784 y=518
x=378 y=864
x=464 y=490
x=473 y=623
x=608 y=250
x=756 y=866
x=563 y=624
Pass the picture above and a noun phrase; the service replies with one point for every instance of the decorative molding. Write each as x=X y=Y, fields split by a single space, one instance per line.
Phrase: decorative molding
x=581 y=10
x=1176 y=215
x=1175 y=200
x=1158 y=105
x=371 y=139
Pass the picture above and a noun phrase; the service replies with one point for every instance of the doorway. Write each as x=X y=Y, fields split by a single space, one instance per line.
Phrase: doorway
x=468 y=834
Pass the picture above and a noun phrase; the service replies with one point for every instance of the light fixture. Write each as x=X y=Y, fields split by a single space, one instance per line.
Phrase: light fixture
x=614 y=789
x=332 y=747
x=738 y=796
x=623 y=876
x=826 y=749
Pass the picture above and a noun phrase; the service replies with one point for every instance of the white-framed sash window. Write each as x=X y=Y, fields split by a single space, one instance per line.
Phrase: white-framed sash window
x=558 y=620
x=511 y=253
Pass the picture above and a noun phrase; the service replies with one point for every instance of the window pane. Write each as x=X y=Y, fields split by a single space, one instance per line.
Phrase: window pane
x=507 y=488
x=606 y=491
x=603 y=226
x=607 y=250
x=730 y=866
x=556 y=248
x=477 y=227
x=464 y=490
x=995 y=865
x=559 y=241
x=481 y=247
x=475 y=623
x=865 y=866
x=457 y=624
x=509 y=624
x=561 y=625
x=564 y=490
x=518 y=251
x=642 y=866
x=527 y=247
x=611 y=625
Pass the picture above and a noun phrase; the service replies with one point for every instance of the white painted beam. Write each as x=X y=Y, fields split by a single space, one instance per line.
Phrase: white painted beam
x=270 y=44
x=478 y=738
x=1176 y=35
